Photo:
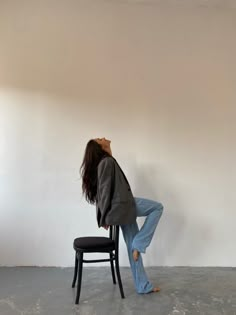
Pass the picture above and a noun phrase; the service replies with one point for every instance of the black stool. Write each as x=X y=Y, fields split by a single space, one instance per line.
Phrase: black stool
x=96 y=244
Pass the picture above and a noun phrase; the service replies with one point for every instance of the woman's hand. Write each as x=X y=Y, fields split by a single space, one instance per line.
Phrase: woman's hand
x=106 y=227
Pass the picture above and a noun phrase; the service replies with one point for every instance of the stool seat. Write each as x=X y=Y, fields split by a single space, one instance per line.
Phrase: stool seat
x=93 y=242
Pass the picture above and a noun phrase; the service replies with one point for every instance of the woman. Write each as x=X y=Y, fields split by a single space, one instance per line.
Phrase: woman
x=105 y=184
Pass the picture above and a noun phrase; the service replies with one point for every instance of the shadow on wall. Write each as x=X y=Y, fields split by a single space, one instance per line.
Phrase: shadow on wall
x=176 y=227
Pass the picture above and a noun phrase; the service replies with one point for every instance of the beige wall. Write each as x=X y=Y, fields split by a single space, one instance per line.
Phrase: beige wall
x=157 y=78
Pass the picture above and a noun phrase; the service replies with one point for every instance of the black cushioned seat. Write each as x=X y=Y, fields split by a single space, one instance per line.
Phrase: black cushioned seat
x=91 y=242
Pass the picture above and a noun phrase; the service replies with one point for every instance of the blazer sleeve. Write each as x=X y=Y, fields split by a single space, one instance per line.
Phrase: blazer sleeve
x=106 y=170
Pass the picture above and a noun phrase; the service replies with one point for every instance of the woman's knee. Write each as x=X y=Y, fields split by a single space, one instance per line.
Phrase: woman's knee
x=159 y=206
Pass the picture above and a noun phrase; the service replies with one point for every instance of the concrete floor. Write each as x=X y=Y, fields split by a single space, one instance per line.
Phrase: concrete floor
x=185 y=290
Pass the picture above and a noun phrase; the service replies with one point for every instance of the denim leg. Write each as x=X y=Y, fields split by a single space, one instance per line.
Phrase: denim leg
x=141 y=281
x=153 y=211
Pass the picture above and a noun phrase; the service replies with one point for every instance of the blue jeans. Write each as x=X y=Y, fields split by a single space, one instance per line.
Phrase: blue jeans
x=140 y=240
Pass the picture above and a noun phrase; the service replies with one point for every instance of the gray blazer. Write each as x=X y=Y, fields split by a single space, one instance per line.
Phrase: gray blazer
x=115 y=202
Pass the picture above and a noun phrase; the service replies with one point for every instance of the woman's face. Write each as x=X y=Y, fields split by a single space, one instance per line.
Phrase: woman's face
x=104 y=143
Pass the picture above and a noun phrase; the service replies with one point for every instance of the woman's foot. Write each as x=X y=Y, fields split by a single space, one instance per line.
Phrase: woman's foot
x=156 y=289
x=135 y=254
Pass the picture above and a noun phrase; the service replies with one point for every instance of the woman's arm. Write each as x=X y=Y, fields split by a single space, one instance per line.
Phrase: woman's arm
x=106 y=171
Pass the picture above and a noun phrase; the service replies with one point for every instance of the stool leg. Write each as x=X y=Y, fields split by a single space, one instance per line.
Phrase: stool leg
x=112 y=268
x=75 y=271
x=80 y=270
x=118 y=276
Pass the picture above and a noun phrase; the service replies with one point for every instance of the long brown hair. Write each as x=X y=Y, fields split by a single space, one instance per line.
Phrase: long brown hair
x=92 y=156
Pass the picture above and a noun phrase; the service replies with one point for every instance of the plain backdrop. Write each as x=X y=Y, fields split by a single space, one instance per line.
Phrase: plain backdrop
x=157 y=78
